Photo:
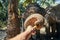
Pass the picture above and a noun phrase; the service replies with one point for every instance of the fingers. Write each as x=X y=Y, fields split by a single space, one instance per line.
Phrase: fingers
x=34 y=27
x=37 y=27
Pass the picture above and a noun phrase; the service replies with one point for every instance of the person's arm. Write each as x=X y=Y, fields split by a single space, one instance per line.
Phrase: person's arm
x=24 y=35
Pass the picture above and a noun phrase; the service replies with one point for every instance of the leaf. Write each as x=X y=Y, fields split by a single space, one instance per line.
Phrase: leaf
x=1 y=5
x=47 y=4
x=25 y=4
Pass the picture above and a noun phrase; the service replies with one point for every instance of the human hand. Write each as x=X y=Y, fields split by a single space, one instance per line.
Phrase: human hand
x=24 y=35
x=30 y=29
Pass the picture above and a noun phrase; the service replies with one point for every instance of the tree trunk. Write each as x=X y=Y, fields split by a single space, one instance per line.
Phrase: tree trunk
x=13 y=27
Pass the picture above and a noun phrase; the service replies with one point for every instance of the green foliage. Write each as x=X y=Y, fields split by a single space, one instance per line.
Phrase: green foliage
x=21 y=7
x=46 y=3
x=3 y=24
x=0 y=5
x=43 y=3
x=3 y=12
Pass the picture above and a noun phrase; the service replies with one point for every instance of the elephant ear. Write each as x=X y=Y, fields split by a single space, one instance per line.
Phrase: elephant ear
x=34 y=19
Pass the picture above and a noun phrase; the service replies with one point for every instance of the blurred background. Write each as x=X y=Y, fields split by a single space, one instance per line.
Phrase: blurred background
x=21 y=9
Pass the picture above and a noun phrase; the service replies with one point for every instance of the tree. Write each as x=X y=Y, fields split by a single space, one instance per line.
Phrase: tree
x=13 y=27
